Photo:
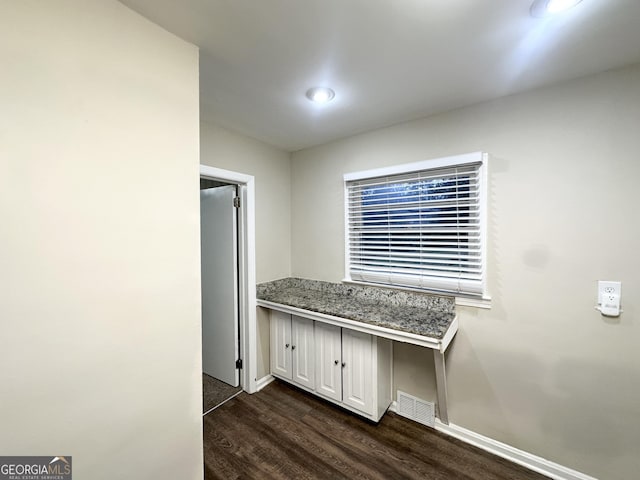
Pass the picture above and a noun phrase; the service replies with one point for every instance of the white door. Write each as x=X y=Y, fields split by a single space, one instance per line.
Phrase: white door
x=302 y=351
x=328 y=361
x=281 y=344
x=357 y=372
x=219 y=247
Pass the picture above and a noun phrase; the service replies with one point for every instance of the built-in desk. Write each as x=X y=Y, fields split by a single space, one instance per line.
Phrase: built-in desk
x=419 y=319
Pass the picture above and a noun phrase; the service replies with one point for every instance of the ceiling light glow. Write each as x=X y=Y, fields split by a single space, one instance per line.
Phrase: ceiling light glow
x=320 y=94
x=555 y=6
x=543 y=8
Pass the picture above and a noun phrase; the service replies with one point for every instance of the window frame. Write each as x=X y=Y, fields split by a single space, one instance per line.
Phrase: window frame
x=480 y=158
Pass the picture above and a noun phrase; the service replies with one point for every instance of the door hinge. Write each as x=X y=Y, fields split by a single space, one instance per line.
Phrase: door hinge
x=236 y=202
x=239 y=363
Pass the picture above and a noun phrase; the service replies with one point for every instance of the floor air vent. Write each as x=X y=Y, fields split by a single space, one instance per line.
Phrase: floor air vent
x=416 y=409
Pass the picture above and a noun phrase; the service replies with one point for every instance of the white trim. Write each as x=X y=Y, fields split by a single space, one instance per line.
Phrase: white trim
x=449 y=334
x=520 y=457
x=345 y=216
x=484 y=302
x=222 y=403
x=224 y=175
x=452 y=161
x=481 y=158
x=484 y=213
x=247 y=269
x=264 y=381
x=397 y=335
x=392 y=377
x=515 y=455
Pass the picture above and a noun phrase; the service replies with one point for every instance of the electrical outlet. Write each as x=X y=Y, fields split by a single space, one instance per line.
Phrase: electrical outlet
x=608 y=288
x=609 y=295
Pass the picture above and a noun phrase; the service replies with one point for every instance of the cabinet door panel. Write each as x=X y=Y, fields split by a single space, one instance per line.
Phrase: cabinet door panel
x=302 y=350
x=357 y=373
x=328 y=360
x=281 y=344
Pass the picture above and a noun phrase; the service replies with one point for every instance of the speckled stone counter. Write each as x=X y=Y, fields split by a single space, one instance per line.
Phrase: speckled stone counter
x=420 y=314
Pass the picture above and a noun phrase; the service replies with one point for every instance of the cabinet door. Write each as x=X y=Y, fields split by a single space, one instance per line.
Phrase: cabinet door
x=302 y=351
x=357 y=372
x=281 y=344
x=328 y=360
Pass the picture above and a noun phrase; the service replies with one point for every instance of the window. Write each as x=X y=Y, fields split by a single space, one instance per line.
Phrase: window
x=420 y=225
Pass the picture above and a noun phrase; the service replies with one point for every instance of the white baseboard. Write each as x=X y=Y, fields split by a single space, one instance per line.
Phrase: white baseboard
x=264 y=381
x=527 y=460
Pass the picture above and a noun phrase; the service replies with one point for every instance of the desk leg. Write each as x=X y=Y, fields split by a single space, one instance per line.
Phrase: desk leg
x=441 y=386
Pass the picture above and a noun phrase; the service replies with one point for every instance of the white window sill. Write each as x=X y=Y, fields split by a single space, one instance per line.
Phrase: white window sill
x=483 y=302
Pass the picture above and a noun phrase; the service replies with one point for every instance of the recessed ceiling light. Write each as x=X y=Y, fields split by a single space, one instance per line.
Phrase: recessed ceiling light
x=543 y=8
x=320 y=94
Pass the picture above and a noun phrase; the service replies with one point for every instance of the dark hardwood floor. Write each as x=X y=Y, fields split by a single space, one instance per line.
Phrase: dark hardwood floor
x=284 y=433
x=214 y=392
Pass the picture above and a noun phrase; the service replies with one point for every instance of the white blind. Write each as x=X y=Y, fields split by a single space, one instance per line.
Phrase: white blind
x=420 y=229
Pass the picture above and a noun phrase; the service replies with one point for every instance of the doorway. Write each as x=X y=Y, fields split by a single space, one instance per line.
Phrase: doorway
x=238 y=362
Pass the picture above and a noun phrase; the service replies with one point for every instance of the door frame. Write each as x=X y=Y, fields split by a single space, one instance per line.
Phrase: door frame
x=246 y=269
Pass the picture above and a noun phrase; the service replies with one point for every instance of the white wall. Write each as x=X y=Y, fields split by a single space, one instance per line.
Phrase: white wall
x=100 y=274
x=542 y=370
x=271 y=168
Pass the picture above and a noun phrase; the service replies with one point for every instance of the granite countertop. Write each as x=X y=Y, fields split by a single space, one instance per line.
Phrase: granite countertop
x=417 y=313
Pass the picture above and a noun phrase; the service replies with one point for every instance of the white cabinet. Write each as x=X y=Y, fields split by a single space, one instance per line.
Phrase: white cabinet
x=302 y=351
x=345 y=366
x=366 y=373
x=329 y=361
x=281 y=344
x=357 y=370
x=292 y=348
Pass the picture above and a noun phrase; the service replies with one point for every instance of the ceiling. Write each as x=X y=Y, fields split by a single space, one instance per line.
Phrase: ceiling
x=388 y=61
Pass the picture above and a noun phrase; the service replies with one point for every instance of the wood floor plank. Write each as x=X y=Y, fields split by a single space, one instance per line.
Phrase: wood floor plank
x=284 y=433
x=214 y=392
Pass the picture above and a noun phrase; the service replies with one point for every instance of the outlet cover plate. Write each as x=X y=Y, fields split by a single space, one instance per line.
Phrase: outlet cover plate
x=606 y=286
